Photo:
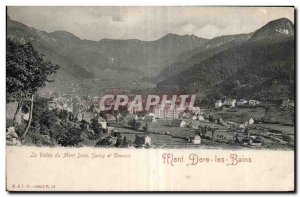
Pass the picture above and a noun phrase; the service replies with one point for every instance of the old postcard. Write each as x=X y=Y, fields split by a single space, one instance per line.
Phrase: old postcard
x=184 y=98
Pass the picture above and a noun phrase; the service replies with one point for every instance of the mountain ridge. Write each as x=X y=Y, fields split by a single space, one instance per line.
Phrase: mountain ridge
x=275 y=29
x=130 y=63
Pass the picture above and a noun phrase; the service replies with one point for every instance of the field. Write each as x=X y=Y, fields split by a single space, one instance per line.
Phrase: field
x=217 y=136
x=238 y=115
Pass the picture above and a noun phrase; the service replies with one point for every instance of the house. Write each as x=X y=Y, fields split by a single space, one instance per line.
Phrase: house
x=61 y=103
x=241 y=102
x=244 y=125
x=287 y=103
x=178 y=123
x=102 y=122
x=197 y=140
x=247 y=123
x=147 y=140
x=110 y=118
x=68 y=107
x=107 y=141
x=129 y=118
x=218 y=104
x=230 y=102
x=194 y=124
x=142 y=140
x=232 y=123
x=119 y=116
x=220 y=121
x=134 y=107
x=200 y=118
x=151 y=114
x=149 y=118
x=166 y=111
x=110 y=129
x=188 y=115
x=183 y=114
x=254 y=103
x=253 y=141
x=196 y=110
x=251 y=121
x=86 y=116
x=25 y=117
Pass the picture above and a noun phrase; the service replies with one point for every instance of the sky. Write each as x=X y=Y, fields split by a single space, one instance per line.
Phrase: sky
x=147 y=23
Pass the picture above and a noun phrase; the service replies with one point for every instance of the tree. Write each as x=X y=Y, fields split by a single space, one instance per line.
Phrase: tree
x=70 y=137
x=26 y=72
x=145 y=128
x=96 y=127
x=45 y=118
x=134 y=124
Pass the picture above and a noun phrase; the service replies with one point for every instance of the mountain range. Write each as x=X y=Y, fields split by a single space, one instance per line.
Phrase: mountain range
x=261 y=67
x=173 y=62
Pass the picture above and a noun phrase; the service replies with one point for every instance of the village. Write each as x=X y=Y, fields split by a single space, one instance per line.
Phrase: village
x=230 y=123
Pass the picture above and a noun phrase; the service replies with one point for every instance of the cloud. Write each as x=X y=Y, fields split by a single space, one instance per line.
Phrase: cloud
x=147 y=23
x=209 y=31
x=188 y=28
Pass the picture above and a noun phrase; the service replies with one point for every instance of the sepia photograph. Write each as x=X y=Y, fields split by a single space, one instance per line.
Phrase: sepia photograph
x=146 y=79
x=171 y=83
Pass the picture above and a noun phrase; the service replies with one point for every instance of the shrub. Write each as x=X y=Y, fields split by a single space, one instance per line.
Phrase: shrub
x=71 y=137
